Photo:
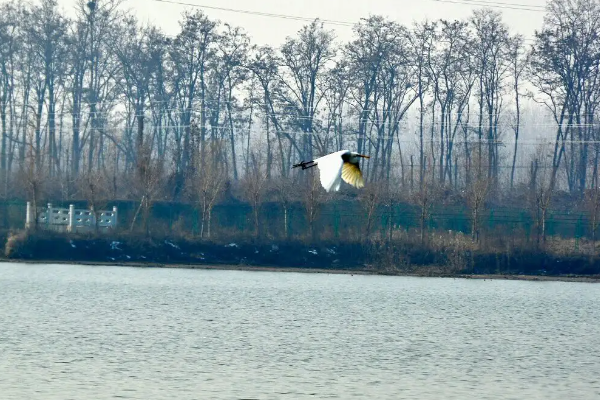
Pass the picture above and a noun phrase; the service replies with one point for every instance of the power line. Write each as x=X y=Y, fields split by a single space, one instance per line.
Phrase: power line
x=175 y=108
x=347 y=135
x=480 y=3
x=503 y=4
x=259 y=13
x=500 y=5
x=85 y=116
x=174 y=105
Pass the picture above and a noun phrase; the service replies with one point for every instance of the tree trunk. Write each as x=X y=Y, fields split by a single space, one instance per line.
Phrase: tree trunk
x=474 y=224
x=423 y=216
x=208 y=223
x=285 y=221
x=232 y=138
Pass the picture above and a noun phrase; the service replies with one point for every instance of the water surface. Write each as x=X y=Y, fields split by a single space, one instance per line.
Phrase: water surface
x=82 y=332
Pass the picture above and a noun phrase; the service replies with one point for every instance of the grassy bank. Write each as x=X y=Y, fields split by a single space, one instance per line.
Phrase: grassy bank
x=404 y=256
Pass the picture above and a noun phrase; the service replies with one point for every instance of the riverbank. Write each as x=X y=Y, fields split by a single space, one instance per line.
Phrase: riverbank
x=585 y=279
x=400 y=259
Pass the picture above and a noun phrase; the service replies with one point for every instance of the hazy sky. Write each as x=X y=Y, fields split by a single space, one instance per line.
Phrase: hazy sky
x=272 y=30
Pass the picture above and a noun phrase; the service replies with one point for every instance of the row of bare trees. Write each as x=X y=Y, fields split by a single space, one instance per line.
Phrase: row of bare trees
x=102 y=106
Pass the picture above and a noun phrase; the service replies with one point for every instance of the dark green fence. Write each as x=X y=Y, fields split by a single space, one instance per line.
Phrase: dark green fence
x=335 y=219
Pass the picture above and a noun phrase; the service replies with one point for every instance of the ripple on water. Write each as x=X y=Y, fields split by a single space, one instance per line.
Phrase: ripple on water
x=101 y=332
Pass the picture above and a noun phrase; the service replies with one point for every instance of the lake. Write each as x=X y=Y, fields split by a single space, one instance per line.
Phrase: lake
x=96 y=332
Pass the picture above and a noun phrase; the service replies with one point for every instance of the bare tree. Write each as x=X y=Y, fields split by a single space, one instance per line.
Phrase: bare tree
x=99 y=20
x=425 y=196
x=313 y=201
x=94 y=186
x=490 y=49
x=305 y=61
x=452 y=79
x=285 y=192
x=477 y=193
x=565 y=70
x=47 y=34
x=77 y=67
x=337 y=86
x=592 y=203
x=422 y=44
x=394 y=94
x=146 y=185
x=264 y=65
x=518 y=59
x=477 y=189
x=365 y=54
x=135 y=52
x=371 y=198
x=541 y=185
x=233 y=50
x=254 y=187
x=190 y=53
x=34 y=178
x=206 y=184
x=11 y=47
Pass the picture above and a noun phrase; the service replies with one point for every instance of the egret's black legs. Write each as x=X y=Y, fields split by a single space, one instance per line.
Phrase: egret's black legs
x=305 y=164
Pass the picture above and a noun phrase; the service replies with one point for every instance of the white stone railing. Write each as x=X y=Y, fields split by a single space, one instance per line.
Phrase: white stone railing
x=71 y=219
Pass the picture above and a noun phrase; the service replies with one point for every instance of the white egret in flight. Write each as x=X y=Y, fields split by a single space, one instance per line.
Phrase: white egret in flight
x=336 y=166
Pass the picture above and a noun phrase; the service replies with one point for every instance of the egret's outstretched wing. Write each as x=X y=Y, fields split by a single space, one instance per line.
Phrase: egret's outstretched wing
x=330 y=168
x=351 y=174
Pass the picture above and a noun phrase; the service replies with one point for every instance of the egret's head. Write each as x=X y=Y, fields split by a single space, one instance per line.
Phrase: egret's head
x=356 y=156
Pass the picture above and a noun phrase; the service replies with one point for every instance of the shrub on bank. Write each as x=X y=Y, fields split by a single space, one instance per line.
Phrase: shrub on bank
x=449 y=254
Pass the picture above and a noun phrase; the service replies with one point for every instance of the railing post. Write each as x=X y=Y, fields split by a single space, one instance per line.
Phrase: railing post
x=28 y=216
x=114 y=224
x=48 y=215
x=71 y=227
x=93 y=225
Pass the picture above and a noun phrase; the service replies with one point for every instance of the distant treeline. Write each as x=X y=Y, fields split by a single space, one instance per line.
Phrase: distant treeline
x=102 y=106
x=478 y=137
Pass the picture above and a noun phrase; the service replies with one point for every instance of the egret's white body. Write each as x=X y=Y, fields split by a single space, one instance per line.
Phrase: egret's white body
x=338 y=166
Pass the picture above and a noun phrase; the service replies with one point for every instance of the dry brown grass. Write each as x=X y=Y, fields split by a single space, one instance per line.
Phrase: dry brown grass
x=559 y=246
x=14 y=241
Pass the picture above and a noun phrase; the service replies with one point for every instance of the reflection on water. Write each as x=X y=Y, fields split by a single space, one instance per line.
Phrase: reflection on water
x=76 y=332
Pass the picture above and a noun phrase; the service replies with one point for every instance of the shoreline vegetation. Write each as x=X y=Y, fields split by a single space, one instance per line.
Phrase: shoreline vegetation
x=404 y=258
